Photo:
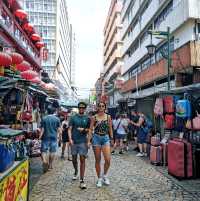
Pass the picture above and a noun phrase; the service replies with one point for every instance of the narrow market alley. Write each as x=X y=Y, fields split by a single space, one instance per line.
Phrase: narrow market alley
x=131 y=178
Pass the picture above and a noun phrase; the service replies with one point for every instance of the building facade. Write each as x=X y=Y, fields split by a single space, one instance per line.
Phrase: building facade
x=112 y=61
x=50 y=17
x=145 y=74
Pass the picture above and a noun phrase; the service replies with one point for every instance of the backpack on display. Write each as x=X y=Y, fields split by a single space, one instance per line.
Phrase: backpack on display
x=169 y=121
x=158 y=108
x=168 y=104
x=183 y=109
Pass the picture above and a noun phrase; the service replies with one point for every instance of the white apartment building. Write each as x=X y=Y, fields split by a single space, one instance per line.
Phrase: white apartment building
x=50 y=18
x=112 y=60
x=143 y=74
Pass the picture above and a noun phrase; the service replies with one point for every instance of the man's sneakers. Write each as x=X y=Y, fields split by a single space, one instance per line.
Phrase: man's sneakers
x=75 y=177
x=99 y=183
x=104 y=181
x=140 y=154
x=82 y=185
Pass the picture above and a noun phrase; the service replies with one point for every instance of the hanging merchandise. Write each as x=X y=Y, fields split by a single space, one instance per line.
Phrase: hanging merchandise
x=26 y=110
x=168 y=104
x=35 y=37
x=39 y=44
x=183 y=109
x=28 y=27
x=158 y=108
x=169 y=121
x=36 y=80
x=196 y=123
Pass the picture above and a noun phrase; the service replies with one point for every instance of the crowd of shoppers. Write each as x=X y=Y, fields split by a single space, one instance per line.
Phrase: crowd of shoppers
x=80 y=131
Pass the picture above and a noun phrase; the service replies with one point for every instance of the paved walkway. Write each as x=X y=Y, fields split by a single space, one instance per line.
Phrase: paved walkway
x=133 y=179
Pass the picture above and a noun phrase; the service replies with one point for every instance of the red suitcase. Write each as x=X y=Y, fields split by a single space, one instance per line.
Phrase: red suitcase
x=156 y=155
x=180 y=158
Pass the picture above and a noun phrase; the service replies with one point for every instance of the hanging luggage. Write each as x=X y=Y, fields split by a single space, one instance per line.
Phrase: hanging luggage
x=168 y=104
x=156 y=155
x=180 y=158
x=196 y=123
x=169 y=121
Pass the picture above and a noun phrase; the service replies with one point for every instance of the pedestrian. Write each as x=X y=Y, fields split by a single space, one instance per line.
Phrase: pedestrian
x=122 y=125
x=65 y=138
x=134 y=117
x=101 y=124
x=115 y=126
x=78 y=130
x=50 y=128
x=142 y=135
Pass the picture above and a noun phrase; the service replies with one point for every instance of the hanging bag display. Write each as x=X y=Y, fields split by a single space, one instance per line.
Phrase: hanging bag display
x=183 y=108
x=196 y=123
x=169 y=121
x=168 y=104
x=158 y=108
x=26 y=111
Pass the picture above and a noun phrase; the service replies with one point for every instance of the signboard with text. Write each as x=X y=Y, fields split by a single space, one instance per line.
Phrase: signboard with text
x=14 y=186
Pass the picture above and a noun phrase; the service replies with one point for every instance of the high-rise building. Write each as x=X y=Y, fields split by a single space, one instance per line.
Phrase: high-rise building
x=145 y=74
x=50 y=18
x=112 y=60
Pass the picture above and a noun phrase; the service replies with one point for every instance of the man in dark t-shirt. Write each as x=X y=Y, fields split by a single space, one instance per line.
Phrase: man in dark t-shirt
x=49 y=133
x=78 y=130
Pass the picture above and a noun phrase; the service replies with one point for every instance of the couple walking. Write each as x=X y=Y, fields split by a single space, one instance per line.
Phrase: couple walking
x=82 y=132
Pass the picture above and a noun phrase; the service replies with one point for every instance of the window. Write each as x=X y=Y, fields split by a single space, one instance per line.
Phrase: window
x=163 y=15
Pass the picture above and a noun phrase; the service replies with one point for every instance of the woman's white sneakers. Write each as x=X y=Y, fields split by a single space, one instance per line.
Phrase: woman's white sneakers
x=101 y=181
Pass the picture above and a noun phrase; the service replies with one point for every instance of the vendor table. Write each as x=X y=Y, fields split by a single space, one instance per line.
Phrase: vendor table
x=14 y=181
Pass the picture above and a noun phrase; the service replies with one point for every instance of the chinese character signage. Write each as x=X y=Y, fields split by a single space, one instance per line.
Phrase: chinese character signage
x=14 y=187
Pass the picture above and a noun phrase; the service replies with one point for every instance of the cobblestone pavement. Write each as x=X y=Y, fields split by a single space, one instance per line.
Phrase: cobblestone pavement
x=131 y=178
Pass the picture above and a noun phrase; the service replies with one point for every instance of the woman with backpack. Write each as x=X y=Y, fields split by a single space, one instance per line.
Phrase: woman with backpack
x=142 y=135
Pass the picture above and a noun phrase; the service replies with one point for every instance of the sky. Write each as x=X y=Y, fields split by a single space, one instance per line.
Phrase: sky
x=88 y=19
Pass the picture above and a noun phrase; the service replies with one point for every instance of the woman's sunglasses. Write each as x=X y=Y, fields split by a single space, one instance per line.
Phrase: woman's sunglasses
x=102 y=106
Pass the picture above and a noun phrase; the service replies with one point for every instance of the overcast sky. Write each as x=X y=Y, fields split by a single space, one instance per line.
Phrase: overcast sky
x=88 y=19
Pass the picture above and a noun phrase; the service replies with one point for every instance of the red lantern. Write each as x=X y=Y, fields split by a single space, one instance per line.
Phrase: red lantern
x=29 y=75
x=35 y=37
x=36 y=80
x=28 y=27
x=16 y=58
x=21 y=14
x=39 y=44
x=5 y=60
x=24 y=66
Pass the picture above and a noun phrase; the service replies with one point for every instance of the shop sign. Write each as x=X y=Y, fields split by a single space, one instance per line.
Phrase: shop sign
x=119 y=83
x=14 y=187
x=45 y=54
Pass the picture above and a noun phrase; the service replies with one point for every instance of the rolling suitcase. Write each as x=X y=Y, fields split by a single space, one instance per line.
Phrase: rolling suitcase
x=180 y=158
x=156 y=155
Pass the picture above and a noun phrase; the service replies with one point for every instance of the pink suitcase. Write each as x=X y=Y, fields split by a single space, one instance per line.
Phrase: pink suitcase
x=180 y=158
x=156 y=155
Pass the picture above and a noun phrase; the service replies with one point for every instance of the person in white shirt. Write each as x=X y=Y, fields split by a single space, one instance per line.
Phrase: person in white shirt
x=121 y=124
